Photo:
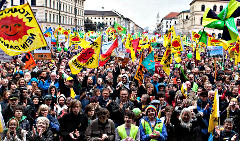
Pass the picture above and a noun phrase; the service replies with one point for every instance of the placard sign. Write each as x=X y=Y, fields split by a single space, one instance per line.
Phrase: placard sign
x=215 y=51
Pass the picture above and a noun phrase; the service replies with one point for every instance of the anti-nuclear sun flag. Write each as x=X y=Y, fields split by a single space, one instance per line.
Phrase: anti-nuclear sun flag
x=19 y=30
x=87 y=58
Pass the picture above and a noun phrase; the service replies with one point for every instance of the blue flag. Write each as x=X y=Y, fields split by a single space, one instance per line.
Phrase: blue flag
x=149 y=63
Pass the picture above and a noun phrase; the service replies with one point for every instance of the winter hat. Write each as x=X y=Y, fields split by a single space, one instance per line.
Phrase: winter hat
x=151 y=107
x=136 y=111
x=34 y=79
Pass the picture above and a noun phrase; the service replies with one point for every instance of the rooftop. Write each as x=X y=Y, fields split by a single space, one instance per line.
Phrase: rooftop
x=102 y=13
x=171 y=15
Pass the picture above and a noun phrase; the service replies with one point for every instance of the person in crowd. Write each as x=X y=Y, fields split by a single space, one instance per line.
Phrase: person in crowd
x=21 y=118
x=90 y=113
x=73 y=124
x=117 y=108
x=9 y=110
x=227 y=133
x=128 y=131
x=13 y=132
x=105 y=98
x=4 y=102
x=152 y=127
x=52 y=81
x=101 y=128
x=42 y=131
x=233 y=112
x=60 y=105
x=44 y=111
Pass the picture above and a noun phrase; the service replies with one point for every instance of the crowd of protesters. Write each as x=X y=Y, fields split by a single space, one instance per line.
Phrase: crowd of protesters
x=37 y=104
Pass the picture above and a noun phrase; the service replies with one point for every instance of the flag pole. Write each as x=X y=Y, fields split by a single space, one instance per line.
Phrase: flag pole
x=215 y=69
x=197 y=46
x=100 y=54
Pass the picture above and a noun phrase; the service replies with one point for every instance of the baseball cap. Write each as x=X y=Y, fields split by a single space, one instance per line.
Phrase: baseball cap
x=13 y=97
x=69 y=78
x=47 y=97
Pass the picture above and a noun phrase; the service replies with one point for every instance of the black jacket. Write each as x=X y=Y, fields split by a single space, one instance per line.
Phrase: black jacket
x=71 y=122
x=46 y=136
x=7 y=114
x=225 y=136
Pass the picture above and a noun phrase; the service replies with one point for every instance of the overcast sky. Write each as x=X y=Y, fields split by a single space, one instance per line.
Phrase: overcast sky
x=142 y=12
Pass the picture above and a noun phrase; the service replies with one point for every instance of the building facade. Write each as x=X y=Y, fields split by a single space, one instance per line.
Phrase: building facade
x=51 y=13
x=183 y=23
x=191 y=20
x=109 y=17
x=170 y=20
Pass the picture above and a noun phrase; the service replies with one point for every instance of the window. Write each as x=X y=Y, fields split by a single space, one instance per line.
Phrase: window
x=12 y=2
x=57 y=19
x=46 y=17
x=175 y=22
x=54 y=18
x=57 y=6
x=238 y=22
x=50 y=3
x=203 y=8
x=166 y=26
x=187 y=17
x=50 y=16
x=53 y=4
x=201 y=20
x=221 y=8
x=213 y=34
x=219 y=35
x=22 y=2
x=46 y=3
x=215 y=8
x=33 y=2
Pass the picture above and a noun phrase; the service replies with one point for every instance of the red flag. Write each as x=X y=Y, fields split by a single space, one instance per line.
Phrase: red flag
x=29 y=61
x=135 y=44
x=105 y=57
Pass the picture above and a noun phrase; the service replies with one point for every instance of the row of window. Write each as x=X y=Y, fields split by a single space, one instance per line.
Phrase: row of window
x=214 y=8
x=107 y=23
x=64 y=6
x=54 y=18
x=101 y=18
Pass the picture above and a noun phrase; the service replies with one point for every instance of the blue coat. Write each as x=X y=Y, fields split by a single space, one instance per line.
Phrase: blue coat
x=145 y=137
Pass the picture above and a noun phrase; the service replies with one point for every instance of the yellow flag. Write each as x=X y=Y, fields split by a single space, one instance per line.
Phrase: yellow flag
x=213 y=120
x=87 y=58
x=195 y=36
x=184 y=90
x=19 y=30
x=72 y=93
x=176 y=44
x=84 y=44
x=167 y=59
x=59 y=30
x=198 y=57
x=168 y=37
x=129 y=46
